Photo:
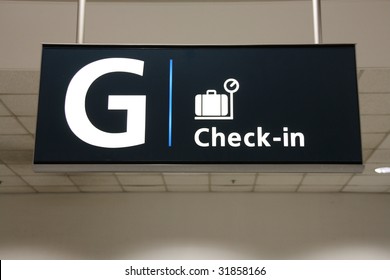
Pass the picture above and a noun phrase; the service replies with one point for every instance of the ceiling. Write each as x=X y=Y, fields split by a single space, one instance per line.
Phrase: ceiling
x=19 y=85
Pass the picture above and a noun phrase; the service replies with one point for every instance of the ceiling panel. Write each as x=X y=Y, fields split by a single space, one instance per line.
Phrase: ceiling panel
x=372 y=140
x=151 y=179
x=21 y=104
x=56 y=189
x=9 y=181
x=366 y=180
x=29 y=123
x=10 y=125
x=232 y=179
x=380 y=156
x=144 y=188
x=19 y=82
x=375 y=103
x=100 y=189
x=280 y=179
x=16 y=190
x=3 y=110
x=16 y=142
x=326 y=179
x=277 y=189
x=94 y=180
x=178 y=179
x=386 y=143
x=16 y=157
x=375 y=80
x=188 y=188
x=5 y=171
x=48 y=180
x=375 y=123
x=216 y=188
x=320 y=189
x=366 y=189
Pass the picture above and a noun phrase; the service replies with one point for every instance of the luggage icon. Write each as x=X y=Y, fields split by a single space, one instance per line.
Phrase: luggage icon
x=214 y=106
x=211 y=104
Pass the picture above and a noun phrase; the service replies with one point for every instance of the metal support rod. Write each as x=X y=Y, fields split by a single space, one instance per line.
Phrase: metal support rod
x=80 y=21
x=317 y=21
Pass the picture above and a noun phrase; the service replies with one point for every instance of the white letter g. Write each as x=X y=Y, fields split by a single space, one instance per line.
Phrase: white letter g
x=135 y=105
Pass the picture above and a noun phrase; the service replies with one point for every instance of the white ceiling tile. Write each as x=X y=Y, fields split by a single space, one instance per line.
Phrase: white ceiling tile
x=276 y=179
x=232 y=179
x=360 y=189
x=16 y=142
x=380 y=156
x=21 y=105
x=188 y=188
x=20 y=81
x=375 y=80
x=57 y=189
x=275 y=188
x=369 y=169
x=22 y=169
x=3 y=110
x=375 y=123
x=374 y=180
x=366 y=154
x=144 y=188
x=375 y=103
x=85 y=173
x=94 y=180
x=17 y=189
x=231 y=188
x=29 y=123
x=320 y=188
x=16 y=157
x=48 y=180
x=280 y=174
x=372 y=140
x=186 y=179
x=326 y=179
x=4 y=171
x=9 y=125
x=99 y=189
x=141 y=179
x=386 y=143
x=7 y=181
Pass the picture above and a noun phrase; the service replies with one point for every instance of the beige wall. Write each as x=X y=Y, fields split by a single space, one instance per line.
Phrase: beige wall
x=195 y=226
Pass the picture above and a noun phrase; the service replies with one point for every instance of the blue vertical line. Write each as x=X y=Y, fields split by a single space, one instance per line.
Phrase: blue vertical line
x=170 y=104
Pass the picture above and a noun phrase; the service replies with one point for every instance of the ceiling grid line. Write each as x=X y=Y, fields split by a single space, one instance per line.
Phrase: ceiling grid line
x=346 y=183
x=254 y=182
x=12 y=115
x=164 y=182
x=209 y=182
x=74 y=183
x=300 y=183
x=119 y=182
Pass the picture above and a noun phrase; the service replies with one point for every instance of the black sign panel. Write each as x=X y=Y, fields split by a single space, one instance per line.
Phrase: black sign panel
x=202 y=108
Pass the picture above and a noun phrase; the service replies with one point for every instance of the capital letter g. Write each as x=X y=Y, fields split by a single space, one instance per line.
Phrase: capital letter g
x=76 y=114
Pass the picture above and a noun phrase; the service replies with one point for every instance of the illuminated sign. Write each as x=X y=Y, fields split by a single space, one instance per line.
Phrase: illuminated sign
x=198 y=108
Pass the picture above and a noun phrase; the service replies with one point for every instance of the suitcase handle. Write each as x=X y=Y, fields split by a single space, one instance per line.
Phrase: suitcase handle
x=211 y=91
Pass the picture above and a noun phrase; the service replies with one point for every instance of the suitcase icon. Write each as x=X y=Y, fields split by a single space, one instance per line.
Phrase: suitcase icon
x=214 y=106
x=211 y=104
